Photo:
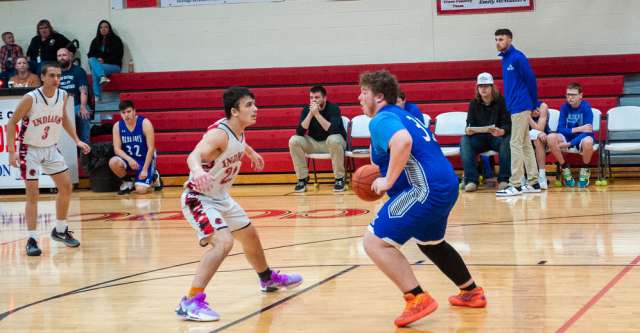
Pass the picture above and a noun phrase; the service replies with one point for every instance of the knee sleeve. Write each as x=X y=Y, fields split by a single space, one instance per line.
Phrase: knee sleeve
x=447 y=259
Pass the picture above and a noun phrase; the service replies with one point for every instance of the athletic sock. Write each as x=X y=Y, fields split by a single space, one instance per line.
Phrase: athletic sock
x=61 y=226
x=415 y=291
x=33 y=234
x=266 y=275
x=194 y=291
x=470 y=287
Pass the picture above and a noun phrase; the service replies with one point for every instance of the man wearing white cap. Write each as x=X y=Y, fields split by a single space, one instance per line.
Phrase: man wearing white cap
x=488 y=128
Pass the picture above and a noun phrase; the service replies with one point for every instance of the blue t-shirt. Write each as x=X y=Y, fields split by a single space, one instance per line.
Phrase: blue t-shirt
x=134 y=143
x=426 y=170
x=72 y=80
x=571 y=117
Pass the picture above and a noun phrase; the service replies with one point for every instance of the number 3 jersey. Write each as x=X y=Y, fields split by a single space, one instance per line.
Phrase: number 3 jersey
x=226 y=166
x=428 y=175
x=134 y=143
x=42 y=125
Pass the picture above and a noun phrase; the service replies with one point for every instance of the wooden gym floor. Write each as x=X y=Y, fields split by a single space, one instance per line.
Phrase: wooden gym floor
x=563 y=260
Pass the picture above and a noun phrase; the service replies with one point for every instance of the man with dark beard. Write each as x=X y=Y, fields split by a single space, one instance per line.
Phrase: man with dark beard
x=74 y=81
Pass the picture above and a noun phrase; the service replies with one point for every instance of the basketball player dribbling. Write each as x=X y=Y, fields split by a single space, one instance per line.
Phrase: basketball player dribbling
x=43 y=116
x=422 y=189
x=215 y=216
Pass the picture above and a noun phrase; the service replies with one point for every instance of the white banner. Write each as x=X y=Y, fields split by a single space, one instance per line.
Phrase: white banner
x=10 y=176
x=471 y=6
x=180 y=3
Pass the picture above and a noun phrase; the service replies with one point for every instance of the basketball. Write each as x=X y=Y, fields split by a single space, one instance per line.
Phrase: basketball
x=362 y=180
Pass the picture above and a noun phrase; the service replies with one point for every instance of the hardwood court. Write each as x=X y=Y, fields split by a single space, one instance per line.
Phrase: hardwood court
x=556 y=261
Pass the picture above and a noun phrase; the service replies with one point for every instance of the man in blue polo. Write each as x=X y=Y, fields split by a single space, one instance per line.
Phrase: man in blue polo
x=521 y=95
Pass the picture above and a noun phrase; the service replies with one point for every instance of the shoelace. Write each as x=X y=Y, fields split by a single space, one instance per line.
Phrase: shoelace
x=279 y=278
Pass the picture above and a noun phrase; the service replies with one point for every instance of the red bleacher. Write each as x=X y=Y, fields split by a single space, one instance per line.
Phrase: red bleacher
x=180 y=115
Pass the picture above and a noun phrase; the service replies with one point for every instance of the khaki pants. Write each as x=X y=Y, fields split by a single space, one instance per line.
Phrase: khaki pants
x=522 y=153
x=334 y=145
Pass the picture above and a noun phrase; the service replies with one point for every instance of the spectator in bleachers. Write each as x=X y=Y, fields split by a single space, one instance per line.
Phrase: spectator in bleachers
x=539 y=123
x=45 y=44
x=521 y=95
x=9 y=53
x=320 y=131
x=488 y=111
x=23 y=76
x=105 y=56
x=412 y=108
x=575 y=129
x=74 y=81
x=134 y=146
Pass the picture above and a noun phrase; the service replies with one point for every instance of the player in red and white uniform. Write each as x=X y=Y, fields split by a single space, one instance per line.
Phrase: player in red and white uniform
x=43 y=116
x=216 y=217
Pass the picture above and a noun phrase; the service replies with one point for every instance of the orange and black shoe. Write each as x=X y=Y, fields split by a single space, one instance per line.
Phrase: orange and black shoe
x=473 y=298
x=416 y=308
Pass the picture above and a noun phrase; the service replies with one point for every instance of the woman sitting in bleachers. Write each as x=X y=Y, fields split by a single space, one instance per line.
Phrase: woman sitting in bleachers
x=105 y=56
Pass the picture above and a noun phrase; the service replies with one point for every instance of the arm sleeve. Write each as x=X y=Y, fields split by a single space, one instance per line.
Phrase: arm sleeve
x=562 y=122
x=336 y=121
x=82 y=77
x=94 y=51
x=471 y=114
x=529 y=78
x=32 y=50
x=117 y=51
x=382 y=128
x=300 y=130
x=587 y=113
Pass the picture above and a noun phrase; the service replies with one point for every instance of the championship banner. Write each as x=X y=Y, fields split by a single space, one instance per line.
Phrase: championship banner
x=446 y=7
x=180 y=3
x=9 y=175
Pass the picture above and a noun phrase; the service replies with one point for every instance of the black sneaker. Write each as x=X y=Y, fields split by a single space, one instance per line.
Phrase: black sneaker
x=301 y=185
x=32 y=248
x=157 y=181
x=339 y=185
x=66 y=237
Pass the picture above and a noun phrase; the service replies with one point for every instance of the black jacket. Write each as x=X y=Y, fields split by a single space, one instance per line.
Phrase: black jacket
x=493 y=114
x=113 y=50
x=48 y=48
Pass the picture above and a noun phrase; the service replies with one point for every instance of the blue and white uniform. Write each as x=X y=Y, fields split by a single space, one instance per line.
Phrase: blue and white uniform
x=134 y=143
x=425 y=192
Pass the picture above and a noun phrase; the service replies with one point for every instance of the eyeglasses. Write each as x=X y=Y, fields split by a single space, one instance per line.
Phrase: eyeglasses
x=572 y=95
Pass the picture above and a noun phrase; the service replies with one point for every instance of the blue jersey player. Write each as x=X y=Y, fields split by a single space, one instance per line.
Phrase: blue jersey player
x=422 y=189
x=134 y=146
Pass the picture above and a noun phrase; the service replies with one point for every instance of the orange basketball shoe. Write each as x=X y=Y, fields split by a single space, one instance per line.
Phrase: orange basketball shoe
x=472 y=298
x=416 y=308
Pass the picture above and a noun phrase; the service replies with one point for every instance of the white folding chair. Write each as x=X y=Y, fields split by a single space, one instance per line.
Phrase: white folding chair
x=451 y=124
x=426 y=119
x=623 y=137
x=324 y=156
x=554 y=117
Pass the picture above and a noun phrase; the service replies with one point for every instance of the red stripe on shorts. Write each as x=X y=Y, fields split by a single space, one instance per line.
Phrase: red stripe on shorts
x=195 y=207
x=22 y=156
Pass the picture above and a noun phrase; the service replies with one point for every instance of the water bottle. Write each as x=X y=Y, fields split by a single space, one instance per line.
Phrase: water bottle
x=131 y=65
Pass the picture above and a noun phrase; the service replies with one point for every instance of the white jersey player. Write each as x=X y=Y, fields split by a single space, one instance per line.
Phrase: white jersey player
x=215 y=216
x=43 y=116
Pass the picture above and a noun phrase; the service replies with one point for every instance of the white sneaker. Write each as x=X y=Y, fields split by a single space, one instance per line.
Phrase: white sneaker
x=535 y=188
x=542 y=180
x=125 y=187
x=508 y=192
x=104 y=80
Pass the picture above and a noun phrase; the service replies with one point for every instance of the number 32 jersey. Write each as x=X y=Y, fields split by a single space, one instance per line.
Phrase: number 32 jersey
x=134 y=143
x=226 y=166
